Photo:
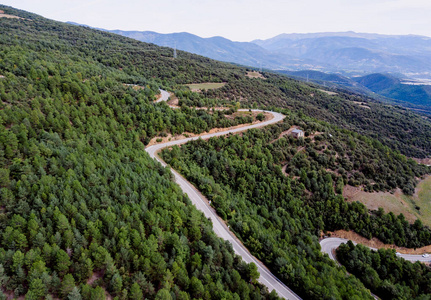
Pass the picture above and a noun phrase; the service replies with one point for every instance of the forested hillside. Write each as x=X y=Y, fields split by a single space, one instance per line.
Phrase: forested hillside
x=396 y=127
x=392 y=87
x=280 y=215
x=84 y=211
x=387 y=275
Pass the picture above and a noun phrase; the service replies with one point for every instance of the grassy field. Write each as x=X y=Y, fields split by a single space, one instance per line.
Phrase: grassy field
x=206 y=86
x=254 y=74
x=423 y=200
x=399 y=203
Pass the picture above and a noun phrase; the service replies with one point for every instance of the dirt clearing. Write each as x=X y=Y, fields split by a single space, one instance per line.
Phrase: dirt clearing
x=328 y=92
x=361 y=104
x=424 y=161
x=3 y=15
x=396 y=201
x=286 y=133
x=255 y=74
x=197 y=87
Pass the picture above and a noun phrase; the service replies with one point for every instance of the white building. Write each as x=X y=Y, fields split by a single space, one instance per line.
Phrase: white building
x=297 y=133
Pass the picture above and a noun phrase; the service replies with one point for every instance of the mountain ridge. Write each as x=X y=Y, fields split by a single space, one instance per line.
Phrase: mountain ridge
x=80 y=197
x=216 y=47
x=345 y=52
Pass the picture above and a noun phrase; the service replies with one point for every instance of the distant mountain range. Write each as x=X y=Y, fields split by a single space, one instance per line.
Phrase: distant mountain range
x=352 y=52
x=385 y=87
x=393 y=87
x=345 y=52
x=351 y=55
x=219 y=48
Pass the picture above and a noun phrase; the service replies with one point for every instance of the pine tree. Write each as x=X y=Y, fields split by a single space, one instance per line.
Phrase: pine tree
x=67 y=285
x=135 y=292
x=74 y=294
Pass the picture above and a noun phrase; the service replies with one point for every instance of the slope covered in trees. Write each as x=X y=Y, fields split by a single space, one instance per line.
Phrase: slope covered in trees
x=395 y=127
x=278 y=216
x=84 y=209
x=387 y=275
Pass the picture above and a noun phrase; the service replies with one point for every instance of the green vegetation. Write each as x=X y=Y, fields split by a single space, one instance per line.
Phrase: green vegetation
x=416 y=206
x=83 y=207
x=387 y=275
x=389 y=86
x=395 y=127
x=193 y=99
x=84 y=210
x=279 y=218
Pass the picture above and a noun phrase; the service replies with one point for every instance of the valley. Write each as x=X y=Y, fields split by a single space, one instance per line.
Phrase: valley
x=339 y=60
x=128 y=173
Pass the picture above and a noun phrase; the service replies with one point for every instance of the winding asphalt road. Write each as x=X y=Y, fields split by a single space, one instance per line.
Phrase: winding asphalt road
x=201 y=203
x=329 y=245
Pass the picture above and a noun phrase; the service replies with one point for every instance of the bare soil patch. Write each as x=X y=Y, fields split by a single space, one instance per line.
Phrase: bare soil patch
x=255 y=74
x=311 y=136
x=253 y=114
x=283 y=169
x=351 y=191
x=198 y=87
x=173 y=101
x=424 y=161
x=376 y=243
x=96 y=275
x=390 y=202
x=286 y=132
x=135 y=86
x=361 y=104
x=3 y=15
x=328 y=92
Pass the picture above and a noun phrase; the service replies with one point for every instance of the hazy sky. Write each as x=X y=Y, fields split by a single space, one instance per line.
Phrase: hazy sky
x=240 y=20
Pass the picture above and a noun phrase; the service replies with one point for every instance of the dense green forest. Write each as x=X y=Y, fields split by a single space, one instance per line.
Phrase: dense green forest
x=395 y=127
x=279 y=217
x=387 y=275
x=84 y=210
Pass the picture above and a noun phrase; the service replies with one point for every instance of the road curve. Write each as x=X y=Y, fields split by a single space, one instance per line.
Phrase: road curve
x=201 y=203
x=329 y=245
x=164 y=96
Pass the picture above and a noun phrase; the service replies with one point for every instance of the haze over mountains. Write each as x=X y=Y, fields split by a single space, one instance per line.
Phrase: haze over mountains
x=387 y=87
x=86 y=213
x=352 y=52
x=371 y=64
x=390 y=59
x=218 y=48
x=348 y=53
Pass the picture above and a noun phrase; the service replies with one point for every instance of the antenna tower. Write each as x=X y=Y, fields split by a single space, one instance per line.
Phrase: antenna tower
x=175 y=50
